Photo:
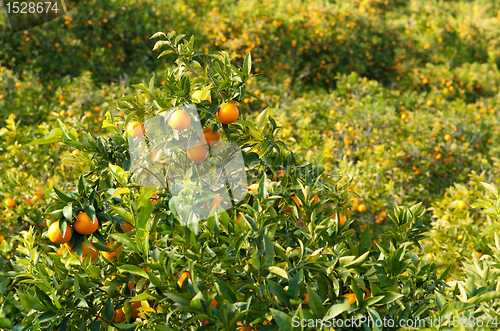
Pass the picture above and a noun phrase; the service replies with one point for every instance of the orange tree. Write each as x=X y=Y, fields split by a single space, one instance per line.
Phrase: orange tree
x=285 y=252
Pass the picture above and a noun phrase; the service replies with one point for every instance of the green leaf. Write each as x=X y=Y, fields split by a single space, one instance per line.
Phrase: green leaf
x=278 y=271
x=338 y=309
x=284 y=321
x=388 y=297
x=277 y=290
x=125 y=241
x=490 y=188
x=247 y=64
x=262 y=118
x=451 y=307
x=296 y=284
x=135 y=270
x=118 y=173
x=142 y=297
x=315 y=303
x=68 y=212
x=119 y=191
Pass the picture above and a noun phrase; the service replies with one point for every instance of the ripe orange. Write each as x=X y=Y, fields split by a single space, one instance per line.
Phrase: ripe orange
x=362 y=208
x=342 y=218
x=183 y=277
x=179 y=120
x=134 y=312
x=383 y=214
x=154 y=202
x=2 y=238
x=306 y=300
x=154 y=153
x=10 y=203
x=39 y=196
x=216 y=202
x=118 y=316
x=227 y=113
x=208 y=139
x=127 y=227
x=241 y=327
x=113 y=254
x=84 y=225
x=351 y=297
x=56 y=236
x=197 y=153
x=297 y=201
x=447 y=137
x=29 y=202
x=135 y=130
x=461 y=204
x=94 y=253
x=280 y=173
x=316 y=198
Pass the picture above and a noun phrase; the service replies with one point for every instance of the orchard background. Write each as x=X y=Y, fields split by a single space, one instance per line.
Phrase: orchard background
x=370 y=131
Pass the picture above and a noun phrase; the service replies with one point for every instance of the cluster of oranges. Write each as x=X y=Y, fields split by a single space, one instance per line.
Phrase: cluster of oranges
x=83 y=225
x=180 y=120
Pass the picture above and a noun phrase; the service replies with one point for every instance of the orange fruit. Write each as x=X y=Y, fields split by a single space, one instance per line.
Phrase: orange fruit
x=135 y=130
x=154 y=153
x=362 y=208
x=447 y=137
x=461 y=204
x=208 y=138
x=297 y=201
x=197 y=153
x=94 y=253
x=216 y=202
x=56 y=236
x=351 y=297
x=367 y=291
x=280 y=173
x=113 y=254
x=38 y=196
x=154 y=202
x=10 y=203
x=316 y=198
x=183 y=277
x=84 y=225
x=342 y=218
x=241 y=327
x=383 y=214
x=127 y=227
x=306 y=300
x=118 y=316
x=134 y=312
x=2 y=238
x=29 y=202
x=179 y=120
x=227 y=113
x=61 y=250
